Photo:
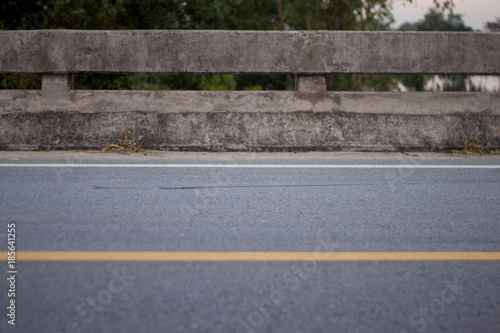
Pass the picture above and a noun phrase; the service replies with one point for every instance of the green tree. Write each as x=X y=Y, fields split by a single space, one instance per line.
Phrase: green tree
x=493 y=26
x=435 y=21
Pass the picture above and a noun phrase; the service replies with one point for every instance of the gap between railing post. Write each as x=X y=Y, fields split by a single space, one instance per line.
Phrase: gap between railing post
x=310 y=83
x=57 y=85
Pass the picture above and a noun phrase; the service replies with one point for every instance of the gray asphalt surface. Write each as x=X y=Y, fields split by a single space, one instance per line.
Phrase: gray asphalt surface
x=189 y=209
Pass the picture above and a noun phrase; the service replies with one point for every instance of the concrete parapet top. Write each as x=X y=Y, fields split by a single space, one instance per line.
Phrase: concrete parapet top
x=92 y=101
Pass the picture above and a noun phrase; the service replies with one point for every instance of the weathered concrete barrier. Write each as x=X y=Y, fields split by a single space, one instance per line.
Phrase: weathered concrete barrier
x=313 y=52
x=311 y=118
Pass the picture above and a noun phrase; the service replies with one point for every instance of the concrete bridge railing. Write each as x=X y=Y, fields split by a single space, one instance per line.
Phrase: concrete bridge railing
x=310 y=118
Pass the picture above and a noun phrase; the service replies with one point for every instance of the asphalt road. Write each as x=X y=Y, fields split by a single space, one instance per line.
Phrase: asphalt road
x=285 y=203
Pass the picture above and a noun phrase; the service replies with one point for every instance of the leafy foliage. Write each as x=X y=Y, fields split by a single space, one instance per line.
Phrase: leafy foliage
x=493 y=26
x=435 y=20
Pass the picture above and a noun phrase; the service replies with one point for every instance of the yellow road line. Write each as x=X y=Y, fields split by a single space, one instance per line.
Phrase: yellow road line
x=251 y=256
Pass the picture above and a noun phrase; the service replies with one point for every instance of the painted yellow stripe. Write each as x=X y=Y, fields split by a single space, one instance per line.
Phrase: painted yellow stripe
x=252 y=256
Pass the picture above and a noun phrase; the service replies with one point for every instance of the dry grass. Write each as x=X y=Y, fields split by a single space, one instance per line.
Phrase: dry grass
x=472 y=148
x=127 y=146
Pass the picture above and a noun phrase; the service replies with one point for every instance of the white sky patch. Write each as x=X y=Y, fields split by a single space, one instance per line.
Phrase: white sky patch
x=475 y=13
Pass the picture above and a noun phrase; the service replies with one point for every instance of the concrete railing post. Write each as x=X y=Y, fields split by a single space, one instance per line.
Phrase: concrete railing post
x=310 y=83
x=56 y=85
